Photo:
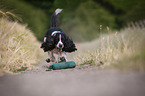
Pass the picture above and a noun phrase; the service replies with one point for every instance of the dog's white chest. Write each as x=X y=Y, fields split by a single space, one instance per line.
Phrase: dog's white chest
x=56 y=51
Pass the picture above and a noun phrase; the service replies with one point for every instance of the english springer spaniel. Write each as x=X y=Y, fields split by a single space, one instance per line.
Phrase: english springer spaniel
x=56 y=41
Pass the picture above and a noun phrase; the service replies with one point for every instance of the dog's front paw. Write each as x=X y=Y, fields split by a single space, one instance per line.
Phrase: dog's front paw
x=62 y=59
x=48 y=60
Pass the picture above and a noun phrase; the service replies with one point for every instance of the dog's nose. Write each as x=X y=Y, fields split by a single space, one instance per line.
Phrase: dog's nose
x=60 y=45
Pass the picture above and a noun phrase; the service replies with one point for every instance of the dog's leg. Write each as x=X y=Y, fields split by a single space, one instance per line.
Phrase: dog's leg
x=48 y=59
x=63 y=57
x=59 y=55
x=51 y=57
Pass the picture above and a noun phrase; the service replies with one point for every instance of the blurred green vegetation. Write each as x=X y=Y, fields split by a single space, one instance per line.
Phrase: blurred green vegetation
x=81 y=17
x=35 y=18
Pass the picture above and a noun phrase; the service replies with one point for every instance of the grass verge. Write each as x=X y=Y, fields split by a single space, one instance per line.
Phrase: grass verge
x=123 y=50
x=19 y=49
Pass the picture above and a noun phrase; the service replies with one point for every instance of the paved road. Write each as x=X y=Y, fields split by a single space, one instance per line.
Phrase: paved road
x=73 y=82
x=80 y=81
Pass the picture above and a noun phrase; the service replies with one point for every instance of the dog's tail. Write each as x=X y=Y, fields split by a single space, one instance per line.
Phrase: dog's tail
x=54 y=17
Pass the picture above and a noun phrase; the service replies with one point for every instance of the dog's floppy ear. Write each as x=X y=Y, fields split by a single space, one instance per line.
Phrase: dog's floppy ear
x=48 y=44
x=69 y=46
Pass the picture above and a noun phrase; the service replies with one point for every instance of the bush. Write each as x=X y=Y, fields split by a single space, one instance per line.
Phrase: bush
x=87 y=20
x=34 y=17
x=123 y=50
x=19 y=48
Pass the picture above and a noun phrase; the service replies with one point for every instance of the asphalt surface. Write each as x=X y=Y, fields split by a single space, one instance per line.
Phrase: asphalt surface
x=73 y=82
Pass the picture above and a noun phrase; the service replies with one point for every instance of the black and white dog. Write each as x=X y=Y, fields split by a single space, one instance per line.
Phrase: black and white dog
x=56 y=41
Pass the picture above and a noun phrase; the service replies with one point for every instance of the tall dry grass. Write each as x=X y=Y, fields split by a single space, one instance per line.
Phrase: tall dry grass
x=19 y=49
x=122 y=50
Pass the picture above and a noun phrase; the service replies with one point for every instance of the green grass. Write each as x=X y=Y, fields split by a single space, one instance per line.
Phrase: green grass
x=124 y=50
x=19 y=48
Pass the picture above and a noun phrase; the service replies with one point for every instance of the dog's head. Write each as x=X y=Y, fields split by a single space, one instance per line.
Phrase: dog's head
x=59 y=40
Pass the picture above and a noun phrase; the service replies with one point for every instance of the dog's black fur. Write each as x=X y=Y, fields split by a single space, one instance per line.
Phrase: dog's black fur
x=51 y=40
